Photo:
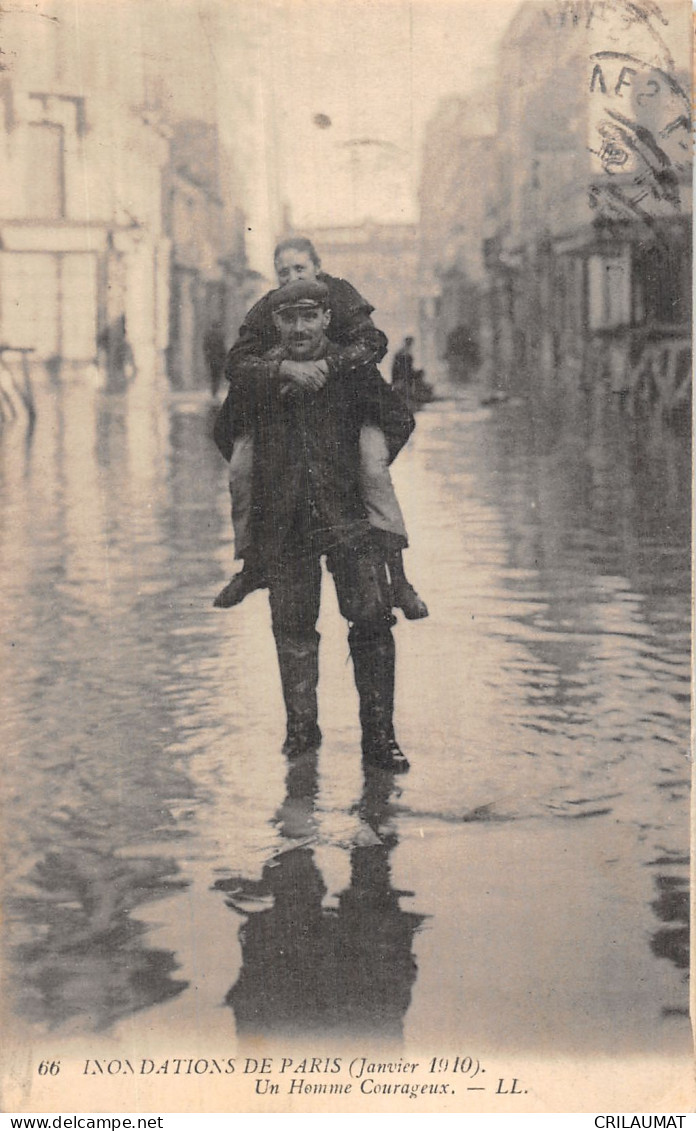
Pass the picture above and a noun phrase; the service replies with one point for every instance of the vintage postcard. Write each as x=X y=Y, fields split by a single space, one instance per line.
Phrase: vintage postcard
x=345 y=430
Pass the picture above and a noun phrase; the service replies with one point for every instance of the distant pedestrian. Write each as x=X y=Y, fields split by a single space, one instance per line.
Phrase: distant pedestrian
x=116 y=355
x=214 y=352
x=402 y=368
x=406 y=379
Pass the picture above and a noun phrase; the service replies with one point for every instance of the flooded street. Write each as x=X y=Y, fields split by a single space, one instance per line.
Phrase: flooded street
x=524 y=887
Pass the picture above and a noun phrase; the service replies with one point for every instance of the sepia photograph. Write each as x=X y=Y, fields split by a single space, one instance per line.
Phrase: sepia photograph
x=345 y=514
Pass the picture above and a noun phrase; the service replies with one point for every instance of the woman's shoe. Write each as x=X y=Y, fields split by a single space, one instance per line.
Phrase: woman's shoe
x=404 y=597
x=241 y=585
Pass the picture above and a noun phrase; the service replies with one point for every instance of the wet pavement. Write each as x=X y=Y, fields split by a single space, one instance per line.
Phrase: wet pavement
x=525 y=884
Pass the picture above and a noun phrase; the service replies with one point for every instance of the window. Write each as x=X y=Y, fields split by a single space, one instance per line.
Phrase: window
x=609 y=284
x=44 y=186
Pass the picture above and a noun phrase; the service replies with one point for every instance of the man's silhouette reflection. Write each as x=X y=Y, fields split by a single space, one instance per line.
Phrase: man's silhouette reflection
x=312 y=969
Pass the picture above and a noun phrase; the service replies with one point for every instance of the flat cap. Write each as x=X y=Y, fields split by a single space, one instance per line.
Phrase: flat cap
x=303 y=292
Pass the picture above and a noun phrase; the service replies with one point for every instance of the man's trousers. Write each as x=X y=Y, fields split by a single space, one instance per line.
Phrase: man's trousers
x=362 y=589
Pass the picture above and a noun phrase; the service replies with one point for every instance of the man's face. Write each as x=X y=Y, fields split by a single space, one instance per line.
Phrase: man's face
x=292 y=265
x=302 y=331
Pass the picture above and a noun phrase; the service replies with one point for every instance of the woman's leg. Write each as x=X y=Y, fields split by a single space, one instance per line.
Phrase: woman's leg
x=240 y=484
x=379 y=496
x=240 y=477
x=384 y=514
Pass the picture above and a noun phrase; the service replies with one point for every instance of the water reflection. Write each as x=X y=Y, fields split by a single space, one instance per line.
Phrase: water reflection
x=607 y=538
x=311 y=969
x=545 y=702
x=88 y=956
x=87 y=717
x=672 y=907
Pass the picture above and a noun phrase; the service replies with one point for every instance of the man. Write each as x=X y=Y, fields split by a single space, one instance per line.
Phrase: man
x=402 y=368
x=359 y=342
x=408 y=380
x=306 y=420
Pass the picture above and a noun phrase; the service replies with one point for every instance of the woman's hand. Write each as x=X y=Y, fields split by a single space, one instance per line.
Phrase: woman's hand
x=307 y=375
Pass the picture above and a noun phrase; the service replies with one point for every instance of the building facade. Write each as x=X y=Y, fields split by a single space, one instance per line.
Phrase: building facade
x=580 y=203
x=80 y=215
x=118 y=207
x=589 y=262
x=208 y=282
x=457 y=197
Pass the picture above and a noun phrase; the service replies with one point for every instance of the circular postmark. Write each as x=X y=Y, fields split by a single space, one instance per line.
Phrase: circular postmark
x=640 y=128
x=639 y=115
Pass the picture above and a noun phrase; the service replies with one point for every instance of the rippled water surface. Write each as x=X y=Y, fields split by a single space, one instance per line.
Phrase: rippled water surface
x=525 y=884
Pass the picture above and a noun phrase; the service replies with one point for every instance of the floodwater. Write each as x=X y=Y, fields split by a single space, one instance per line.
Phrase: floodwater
x=525 y=885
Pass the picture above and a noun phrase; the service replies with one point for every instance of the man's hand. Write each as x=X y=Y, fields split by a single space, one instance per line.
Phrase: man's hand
x=308 y=375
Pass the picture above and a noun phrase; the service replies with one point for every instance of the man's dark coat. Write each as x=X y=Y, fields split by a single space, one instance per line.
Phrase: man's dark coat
x=306 y=451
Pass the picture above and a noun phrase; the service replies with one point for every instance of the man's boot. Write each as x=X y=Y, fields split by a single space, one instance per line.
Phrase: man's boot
x=298 y=661
x=373 y=655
